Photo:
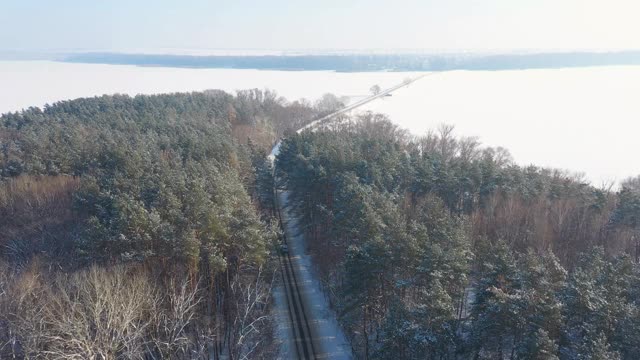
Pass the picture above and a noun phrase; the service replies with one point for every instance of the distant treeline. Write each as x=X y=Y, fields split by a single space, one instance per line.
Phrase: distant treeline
x=371 y=62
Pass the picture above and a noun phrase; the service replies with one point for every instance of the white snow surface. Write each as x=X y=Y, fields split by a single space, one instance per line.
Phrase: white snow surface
x=36 y=83
x=584 y=120
x=284 y=332
x=328 y=334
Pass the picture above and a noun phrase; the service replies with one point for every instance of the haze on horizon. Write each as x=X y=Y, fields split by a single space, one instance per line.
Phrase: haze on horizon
x=119 y=25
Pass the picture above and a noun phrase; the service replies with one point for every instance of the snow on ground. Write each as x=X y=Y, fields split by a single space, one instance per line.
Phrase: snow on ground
x=327 y=332
x=581 y=119
x=284 y=332
x=36 y=83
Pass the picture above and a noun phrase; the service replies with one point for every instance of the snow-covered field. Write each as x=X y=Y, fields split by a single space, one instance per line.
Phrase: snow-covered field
x=35 y=83
x=582 y=119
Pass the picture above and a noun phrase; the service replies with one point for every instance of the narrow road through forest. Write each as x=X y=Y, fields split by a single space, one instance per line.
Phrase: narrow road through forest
x=307 y=327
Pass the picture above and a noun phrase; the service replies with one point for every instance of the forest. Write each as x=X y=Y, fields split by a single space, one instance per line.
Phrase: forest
x=131 y=227
x=436 y=247
x=143 y=228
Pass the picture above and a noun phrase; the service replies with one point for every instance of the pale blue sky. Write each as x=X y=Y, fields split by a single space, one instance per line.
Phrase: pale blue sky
x=320 y=24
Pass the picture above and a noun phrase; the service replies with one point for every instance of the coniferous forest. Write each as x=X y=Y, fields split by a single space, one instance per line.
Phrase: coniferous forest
x=131 y=228
x=143 y=228
x=438 y=248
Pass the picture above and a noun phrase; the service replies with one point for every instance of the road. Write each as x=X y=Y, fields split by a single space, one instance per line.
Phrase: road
x=362 y=102
x=307 y=327
x=313 y=330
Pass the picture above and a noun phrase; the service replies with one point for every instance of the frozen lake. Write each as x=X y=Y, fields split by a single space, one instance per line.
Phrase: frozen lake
x=586 y=120
x=27 y=83
x=581 y=119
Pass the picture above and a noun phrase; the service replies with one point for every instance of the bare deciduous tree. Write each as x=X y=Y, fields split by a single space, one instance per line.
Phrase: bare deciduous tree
x=171 y=324
x=252 y=299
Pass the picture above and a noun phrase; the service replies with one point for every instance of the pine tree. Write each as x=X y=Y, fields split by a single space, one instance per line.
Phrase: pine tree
x=497 y=308
x=538 y=346
x=596 y=348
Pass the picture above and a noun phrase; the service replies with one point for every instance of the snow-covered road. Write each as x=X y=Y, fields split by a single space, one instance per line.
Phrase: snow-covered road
x=327 y=336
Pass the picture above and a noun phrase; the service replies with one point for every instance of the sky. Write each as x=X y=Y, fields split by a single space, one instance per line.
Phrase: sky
x=126 y=25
